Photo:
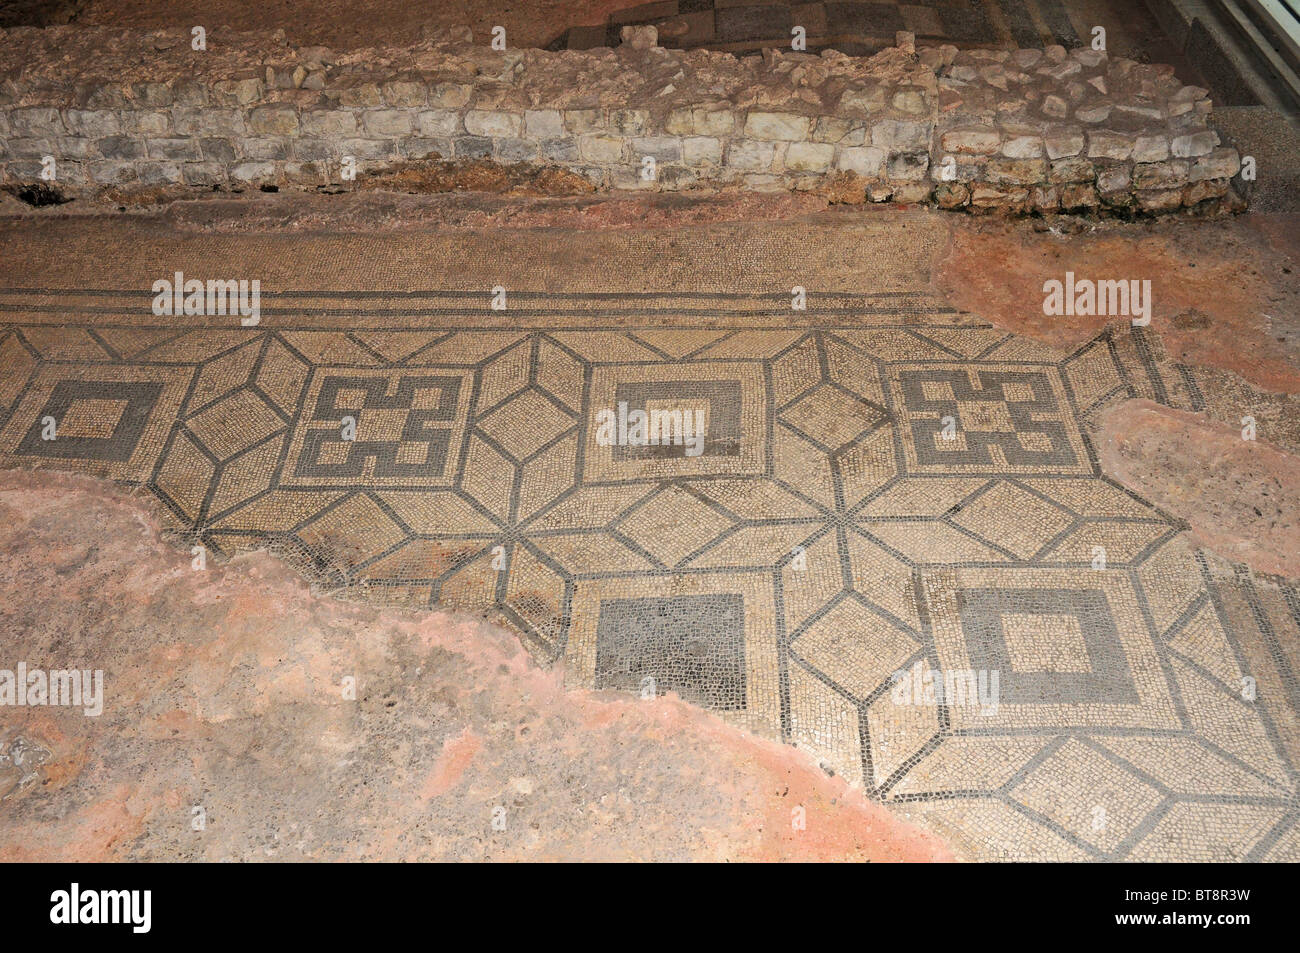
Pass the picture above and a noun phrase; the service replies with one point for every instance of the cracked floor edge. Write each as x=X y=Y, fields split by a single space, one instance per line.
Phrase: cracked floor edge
x=452 y=745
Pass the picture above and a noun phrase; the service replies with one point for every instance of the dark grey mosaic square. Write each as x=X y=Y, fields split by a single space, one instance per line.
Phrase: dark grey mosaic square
x=692 y=645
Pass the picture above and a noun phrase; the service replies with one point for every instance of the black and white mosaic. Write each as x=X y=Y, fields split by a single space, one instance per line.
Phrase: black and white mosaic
x=826 y=560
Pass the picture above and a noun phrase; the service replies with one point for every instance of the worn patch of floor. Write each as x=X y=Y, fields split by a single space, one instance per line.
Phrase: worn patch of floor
x=1237 y=494
x=333 y=731
x=888 y=484
x=1224 y=295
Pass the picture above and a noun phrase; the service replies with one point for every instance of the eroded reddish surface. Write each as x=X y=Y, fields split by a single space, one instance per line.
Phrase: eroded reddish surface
x=1225 y=294
x=1239 y=496
x=223 y=691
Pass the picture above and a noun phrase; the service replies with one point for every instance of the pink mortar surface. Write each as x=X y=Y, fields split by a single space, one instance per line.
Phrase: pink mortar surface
x=223 y=692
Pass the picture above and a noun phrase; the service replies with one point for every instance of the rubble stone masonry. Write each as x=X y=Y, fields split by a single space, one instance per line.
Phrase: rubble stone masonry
x=986 y=130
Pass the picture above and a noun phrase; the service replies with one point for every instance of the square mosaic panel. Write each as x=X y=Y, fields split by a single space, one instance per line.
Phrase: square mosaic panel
x=110 y=421
x=410 y=427
x=1050 y=646
x=731 y=395
x=710 y=638
x=716 y=403
x=1072 y=648
x=1004 y=418
x=692 y=645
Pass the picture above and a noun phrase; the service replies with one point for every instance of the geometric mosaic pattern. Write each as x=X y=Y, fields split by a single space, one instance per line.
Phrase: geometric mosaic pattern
x=1003 y=419
x=408 y=428
x=909 y=491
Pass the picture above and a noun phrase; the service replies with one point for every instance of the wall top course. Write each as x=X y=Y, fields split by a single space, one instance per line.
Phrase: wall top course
x=55 y=66
x=101 y=68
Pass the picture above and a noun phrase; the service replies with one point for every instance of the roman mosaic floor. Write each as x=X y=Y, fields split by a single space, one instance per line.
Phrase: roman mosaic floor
x=888 y=485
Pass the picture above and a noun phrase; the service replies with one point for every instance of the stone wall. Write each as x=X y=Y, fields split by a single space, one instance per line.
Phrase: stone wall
x=1033 y=130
